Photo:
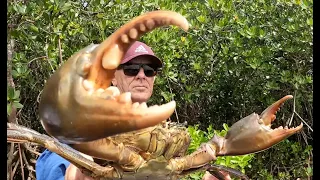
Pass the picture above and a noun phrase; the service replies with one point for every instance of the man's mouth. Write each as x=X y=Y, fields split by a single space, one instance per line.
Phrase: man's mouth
x=139 y=87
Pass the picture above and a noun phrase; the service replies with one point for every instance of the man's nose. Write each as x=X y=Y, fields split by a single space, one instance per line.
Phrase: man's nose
x=141 y=73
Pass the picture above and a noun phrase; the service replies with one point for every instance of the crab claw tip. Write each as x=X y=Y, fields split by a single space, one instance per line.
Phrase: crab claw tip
x=269 y=114
x=280 y=133
x=254 y=133
x=156 y=114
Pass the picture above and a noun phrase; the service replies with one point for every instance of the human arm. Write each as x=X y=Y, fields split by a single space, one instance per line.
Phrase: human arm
x=74 y=173
x=51 y=166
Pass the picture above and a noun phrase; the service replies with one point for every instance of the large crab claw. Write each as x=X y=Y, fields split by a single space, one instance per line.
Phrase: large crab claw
x=254 y=133
x=77 y=104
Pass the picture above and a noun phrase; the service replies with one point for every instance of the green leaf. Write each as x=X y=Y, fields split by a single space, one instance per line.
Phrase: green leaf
x=15 y=74
x=16 y=94
x=309 y=170
x=262 y=33
x=33 y=37
x=201 y=19
x=67 y=6
x=34 y=28
x=10 y=93
x=15 y=33
x=100 y=15
x=9 y=109
x=21 y=9
x=225 y=126
x=17 y=105
x=310 y=21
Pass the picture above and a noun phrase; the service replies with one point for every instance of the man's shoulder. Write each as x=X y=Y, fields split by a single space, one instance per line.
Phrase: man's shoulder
x=48 y=157
x=51 y=166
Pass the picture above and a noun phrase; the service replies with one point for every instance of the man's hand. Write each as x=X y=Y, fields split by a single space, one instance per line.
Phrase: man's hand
x=208 y=176
x=74 y=173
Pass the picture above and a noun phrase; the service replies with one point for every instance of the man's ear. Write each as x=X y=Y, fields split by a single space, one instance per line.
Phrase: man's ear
x=114 y=82
x=154 y=78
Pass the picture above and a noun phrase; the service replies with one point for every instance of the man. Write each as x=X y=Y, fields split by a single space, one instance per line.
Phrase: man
x=136 y=74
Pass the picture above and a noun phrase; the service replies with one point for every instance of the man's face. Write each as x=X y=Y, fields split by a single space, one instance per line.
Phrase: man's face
x=140 y=86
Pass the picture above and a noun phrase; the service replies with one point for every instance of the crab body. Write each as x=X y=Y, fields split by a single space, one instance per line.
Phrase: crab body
x=142 y=154
x=154 y=147
x=129 y=140
x=152 y=169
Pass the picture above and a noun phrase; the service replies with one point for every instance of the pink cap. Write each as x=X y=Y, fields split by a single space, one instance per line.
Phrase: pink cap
x=140 y=49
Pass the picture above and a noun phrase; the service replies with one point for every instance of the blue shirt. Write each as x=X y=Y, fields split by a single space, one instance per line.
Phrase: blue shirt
x=51 y=166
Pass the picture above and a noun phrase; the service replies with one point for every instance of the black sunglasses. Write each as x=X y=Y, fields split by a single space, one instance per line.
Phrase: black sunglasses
x=133 y=69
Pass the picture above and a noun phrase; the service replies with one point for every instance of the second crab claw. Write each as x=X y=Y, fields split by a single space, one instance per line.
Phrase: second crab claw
x=77 y=103
x=253 y=133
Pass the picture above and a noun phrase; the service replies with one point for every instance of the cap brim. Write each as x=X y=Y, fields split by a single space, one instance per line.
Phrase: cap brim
x=155 y=59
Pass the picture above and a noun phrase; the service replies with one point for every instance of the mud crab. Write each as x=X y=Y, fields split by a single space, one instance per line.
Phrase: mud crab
x=129 y=140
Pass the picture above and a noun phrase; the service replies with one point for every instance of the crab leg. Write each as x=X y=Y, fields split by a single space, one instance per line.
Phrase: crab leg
x=20 y=134
x=199 y=160
x=106 y=149
x=215 y=169
x=77 y=104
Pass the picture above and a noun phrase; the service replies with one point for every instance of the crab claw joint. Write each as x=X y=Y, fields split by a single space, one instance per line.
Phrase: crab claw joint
x=254 y=133
x=77 y=103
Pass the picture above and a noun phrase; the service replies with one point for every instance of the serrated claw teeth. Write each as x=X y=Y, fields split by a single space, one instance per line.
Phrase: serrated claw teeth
x=154 y=106
x=135 y=105
x=143 y=105
x=100 y=90
x=88 y=85
x=125 y=98
x=86 y=68
x=115 y=91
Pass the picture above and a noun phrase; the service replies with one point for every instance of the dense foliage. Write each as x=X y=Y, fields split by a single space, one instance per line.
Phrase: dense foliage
x=238 y=58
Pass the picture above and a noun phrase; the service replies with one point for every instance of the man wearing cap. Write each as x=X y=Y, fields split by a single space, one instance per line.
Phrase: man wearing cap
x=135 y=74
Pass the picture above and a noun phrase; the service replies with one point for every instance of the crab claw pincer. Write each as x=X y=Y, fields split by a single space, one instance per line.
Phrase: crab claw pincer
x=254 y=133
x=77 y=103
